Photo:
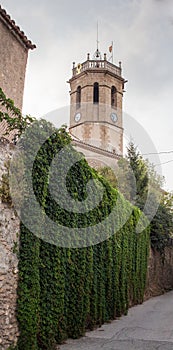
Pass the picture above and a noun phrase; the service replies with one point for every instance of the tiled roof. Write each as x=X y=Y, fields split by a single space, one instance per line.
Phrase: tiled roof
x=15 y=29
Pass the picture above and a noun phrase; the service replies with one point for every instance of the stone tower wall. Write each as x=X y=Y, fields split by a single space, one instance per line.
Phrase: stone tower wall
x=86 y=81
x=94 y=123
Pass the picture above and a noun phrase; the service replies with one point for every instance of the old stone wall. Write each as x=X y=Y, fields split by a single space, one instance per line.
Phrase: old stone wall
x=160 y=273
x=9 y=229
x=13 y=59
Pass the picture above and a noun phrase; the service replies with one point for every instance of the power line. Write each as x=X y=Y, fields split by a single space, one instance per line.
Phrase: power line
x=163 y=152
x=169 y=161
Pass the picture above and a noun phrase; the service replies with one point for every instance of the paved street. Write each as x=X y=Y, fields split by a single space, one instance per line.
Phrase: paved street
x=146 y=327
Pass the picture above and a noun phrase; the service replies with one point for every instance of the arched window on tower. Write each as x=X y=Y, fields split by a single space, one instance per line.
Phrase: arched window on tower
x=96 y=93
x=78 y=97
x=113 y=97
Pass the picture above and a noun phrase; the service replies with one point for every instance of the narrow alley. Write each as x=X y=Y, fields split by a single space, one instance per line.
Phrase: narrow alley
x=146 y=327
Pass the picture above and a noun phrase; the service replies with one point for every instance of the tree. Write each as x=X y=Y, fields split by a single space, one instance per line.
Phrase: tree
x=161 y=227
x=135 y=170
x=109 y=174
x=140 y=172
x=133 y=177
x=140 y=184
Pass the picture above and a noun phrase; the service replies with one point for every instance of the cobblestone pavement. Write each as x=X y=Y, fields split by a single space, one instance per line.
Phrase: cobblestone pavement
x=146 y=327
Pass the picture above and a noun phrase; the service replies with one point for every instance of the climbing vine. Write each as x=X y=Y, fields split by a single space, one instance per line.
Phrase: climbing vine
x=12 y=116
x=64 y=291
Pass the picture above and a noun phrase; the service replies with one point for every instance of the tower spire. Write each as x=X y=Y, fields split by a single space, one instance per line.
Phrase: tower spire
x=97 y=54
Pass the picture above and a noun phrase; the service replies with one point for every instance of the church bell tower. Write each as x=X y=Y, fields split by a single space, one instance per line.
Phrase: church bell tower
x=96 y=94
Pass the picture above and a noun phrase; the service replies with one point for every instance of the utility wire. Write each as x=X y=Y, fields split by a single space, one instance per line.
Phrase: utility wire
x=169 y=161
x=163 y=152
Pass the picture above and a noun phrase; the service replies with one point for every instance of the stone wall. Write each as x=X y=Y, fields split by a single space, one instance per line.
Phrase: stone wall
x=9 y=229
x=160 y=273
x=13 y=59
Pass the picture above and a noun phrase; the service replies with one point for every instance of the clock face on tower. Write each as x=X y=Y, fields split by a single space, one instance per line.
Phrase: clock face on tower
x=114 y=117
x=77 y=117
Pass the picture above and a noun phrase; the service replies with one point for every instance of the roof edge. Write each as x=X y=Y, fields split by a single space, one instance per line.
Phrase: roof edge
x=10 y=23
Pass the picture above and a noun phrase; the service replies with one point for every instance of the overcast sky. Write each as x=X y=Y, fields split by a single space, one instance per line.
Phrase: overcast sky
x=142 y=32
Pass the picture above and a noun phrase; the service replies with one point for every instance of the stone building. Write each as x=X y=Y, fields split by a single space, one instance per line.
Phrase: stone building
x=96 y=124
x=14 y=47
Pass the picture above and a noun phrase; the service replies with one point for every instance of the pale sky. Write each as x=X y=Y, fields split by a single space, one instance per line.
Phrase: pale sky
x=142 y=32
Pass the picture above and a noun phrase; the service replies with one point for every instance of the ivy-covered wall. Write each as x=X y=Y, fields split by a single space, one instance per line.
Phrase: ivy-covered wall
x=64 y=291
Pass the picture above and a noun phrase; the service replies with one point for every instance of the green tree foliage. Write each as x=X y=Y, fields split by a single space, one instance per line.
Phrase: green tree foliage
x=109 y=174
x=162 y=223
x=139 y=173
x=12 y=115
x=139 y=180
x=131 y=176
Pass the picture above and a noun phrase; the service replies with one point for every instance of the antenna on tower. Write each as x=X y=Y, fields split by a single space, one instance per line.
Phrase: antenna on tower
x=97 y=54
x=97 y=36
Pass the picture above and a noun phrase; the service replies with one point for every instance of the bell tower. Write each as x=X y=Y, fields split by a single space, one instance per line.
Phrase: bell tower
x=96 y=95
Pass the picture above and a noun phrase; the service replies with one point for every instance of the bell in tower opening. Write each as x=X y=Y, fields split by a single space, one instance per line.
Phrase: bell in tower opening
x=96 y=96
